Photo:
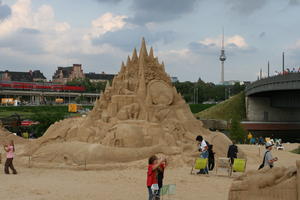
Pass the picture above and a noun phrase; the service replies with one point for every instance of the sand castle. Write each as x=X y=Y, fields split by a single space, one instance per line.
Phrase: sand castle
x=138 y=115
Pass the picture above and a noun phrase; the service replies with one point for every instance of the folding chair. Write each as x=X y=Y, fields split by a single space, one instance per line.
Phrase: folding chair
x=200 y=163
x=167 y=190
x=239 y=165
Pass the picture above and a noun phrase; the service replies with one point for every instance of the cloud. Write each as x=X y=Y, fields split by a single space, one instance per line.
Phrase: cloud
x=109 y=1
x=262 y=34
x=294 y=51
x=31 y=41
x=235 y=43
x=146 y=11
x=5 y=11
x=246 y=7
x=106 y=23
x=34 y=37
x=128 y=37
x=294 y=2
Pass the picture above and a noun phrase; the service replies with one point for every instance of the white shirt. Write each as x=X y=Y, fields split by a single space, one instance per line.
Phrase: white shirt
x=203 y=145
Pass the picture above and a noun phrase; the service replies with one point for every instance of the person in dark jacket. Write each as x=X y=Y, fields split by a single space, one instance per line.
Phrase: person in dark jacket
x=211 y=157
x=232 y=152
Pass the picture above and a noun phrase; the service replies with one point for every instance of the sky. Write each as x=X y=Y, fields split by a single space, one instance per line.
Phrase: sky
x=185 y=34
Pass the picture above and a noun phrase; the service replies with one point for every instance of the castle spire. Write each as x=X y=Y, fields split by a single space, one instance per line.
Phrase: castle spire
x=128 y=61
x=142 y=83
x=163 y=66
x=122 y=67
x=134 y=55
x=143 y=50
x=107 y=85
x=151 y=54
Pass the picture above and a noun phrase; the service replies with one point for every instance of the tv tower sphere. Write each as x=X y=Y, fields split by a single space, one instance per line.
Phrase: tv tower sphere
x=222 y=58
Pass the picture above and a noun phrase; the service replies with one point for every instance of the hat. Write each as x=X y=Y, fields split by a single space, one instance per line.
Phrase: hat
x=268 y=144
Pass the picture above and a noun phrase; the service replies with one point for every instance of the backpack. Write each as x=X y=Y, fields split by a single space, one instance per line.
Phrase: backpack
x=263 y=163
x=209 y=146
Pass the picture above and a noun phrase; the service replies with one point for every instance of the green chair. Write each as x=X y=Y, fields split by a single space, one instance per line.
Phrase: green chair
x=239 y=165
x=200 y=163
x=167 y=190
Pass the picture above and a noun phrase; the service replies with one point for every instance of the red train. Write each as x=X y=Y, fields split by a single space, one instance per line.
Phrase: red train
x=39 y=86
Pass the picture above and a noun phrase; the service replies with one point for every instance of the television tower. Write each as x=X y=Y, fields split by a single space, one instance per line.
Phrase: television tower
x=222 y=58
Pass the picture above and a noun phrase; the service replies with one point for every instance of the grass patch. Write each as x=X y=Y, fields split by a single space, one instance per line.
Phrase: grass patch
x=195 y=108
x=229 y=109
x=29 y=111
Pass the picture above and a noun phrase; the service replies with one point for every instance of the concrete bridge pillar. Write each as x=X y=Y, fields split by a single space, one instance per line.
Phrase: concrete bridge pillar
x=260 y=109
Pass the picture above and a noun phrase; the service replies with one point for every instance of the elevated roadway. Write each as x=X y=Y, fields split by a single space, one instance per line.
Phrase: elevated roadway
x=273 y=106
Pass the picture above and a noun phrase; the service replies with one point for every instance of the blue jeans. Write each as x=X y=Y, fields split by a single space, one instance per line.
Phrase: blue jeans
x=204 y=155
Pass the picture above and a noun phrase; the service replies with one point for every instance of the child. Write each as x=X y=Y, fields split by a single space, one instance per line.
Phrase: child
x=160 y=173
x=153 y=164
x=10 y=149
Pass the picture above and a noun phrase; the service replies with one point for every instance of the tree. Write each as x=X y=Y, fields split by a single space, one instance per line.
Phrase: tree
x=89 y=86
x=237 y=132
x=45 y=120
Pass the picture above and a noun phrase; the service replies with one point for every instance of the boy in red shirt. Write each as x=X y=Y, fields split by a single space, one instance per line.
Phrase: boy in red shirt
x=153 y=164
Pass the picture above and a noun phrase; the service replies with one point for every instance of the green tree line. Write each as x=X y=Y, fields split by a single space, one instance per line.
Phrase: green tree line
x=201 y=91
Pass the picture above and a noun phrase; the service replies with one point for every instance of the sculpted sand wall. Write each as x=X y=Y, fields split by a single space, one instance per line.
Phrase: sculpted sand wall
x=267 y=184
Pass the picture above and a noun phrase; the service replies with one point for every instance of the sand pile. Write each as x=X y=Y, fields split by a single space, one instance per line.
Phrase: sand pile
x=140 y=114
x=268 y=184
x=6 y=137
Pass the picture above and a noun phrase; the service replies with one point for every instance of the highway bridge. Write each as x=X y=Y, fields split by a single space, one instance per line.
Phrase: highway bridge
x=273 y=106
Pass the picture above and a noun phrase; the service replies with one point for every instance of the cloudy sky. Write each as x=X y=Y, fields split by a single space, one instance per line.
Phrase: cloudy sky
x=185 y=34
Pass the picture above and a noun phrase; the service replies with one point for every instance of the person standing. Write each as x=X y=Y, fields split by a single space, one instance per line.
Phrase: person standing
x=261 y=141
x=203 y=148
x=268 y=160
x=160 y=173
x=152 y=184
x=232 y=152
x=10 y=149
x=249 y=137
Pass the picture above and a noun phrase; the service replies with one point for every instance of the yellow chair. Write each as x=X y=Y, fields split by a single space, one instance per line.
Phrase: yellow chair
x=200 y=163
x=239 y=165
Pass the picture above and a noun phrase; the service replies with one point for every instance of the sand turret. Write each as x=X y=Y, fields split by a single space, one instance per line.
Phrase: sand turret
x=134 y=56
x=151 y=54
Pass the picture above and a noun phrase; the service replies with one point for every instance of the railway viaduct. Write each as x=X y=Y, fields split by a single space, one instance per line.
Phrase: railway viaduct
x=36 y=97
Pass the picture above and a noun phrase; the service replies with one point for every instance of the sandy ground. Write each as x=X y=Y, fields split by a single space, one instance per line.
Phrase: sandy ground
x=63 y=184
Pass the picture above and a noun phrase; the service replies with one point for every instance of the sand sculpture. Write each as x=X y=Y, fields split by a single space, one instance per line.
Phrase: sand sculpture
x=268 y=184
x=138 y=115
x=6 y=137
